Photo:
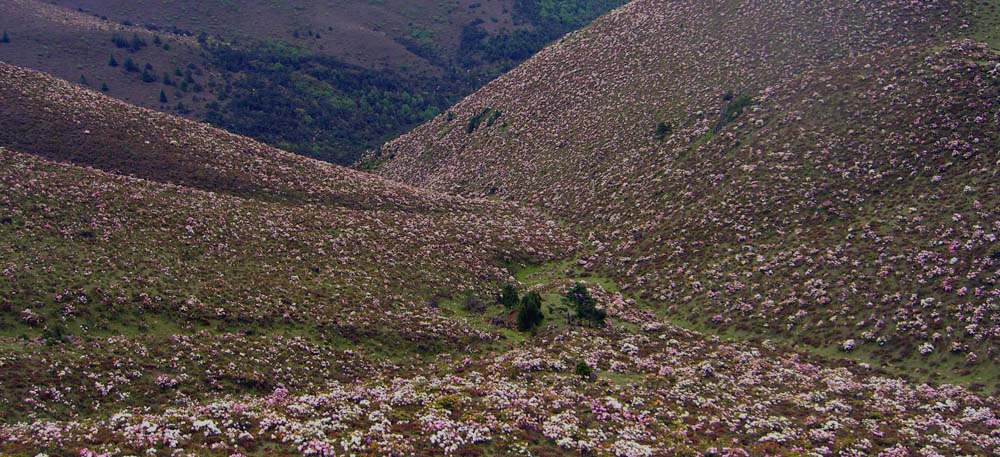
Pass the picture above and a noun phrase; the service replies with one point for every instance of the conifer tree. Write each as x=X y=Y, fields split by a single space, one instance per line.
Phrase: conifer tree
x=530 y=314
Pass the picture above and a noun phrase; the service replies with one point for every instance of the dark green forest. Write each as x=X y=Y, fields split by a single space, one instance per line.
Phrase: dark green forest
x=314 y=105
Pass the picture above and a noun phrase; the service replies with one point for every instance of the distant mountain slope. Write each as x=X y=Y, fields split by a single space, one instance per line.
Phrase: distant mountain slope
x=78 y=47
x=325 y=79
x=66 y=122
x=814 y=171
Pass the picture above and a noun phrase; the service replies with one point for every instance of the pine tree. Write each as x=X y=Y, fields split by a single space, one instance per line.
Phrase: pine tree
x=5 y=38
x=83 y=80
x=163 y=97
x=104 y=87
x=113 y=62
x=148 y=76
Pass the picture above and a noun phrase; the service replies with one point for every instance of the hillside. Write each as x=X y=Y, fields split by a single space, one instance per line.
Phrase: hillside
x=829 y=182
x=151 y=226
x=692 y=228
x=325 y=79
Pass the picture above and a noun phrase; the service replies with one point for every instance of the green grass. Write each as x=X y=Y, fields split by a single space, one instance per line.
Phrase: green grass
x=986 y=22
x=940 y=367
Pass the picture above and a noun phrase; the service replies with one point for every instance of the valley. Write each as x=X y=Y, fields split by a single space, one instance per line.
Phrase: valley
x=751 y=228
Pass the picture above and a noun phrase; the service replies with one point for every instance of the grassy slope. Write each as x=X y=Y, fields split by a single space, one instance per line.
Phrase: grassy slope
x=175 y=228
x=219 y=315
x=827 y=211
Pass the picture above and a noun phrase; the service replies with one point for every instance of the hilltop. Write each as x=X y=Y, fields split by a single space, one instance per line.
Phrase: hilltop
x=829 y=181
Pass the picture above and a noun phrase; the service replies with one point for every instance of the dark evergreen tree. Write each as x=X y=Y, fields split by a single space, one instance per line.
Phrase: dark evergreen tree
x=130 y=65
x=586 y=305
x=530 y=314
x=5 y=38
x=104 y=87
x=113 y=62
x=509 y=297
x=83 y=81
x=163 y=97
x=148 y=76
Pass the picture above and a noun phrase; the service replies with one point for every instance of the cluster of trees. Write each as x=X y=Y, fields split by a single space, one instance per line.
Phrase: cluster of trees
x=133 y=44
x=546 y=20
x=529 y=307
x=315 y=105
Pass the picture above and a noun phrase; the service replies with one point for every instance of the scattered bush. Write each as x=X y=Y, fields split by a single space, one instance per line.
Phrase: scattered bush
x=473 y=303
x=663 y=130
x=584 y=371
x=489 y=115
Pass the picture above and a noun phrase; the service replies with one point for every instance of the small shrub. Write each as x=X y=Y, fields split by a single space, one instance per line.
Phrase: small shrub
x=489 y=115
x=663 y=130
x=584 y=371
x=148 y=76
x=132 y=45
x=473 y=303
x=734 y=108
